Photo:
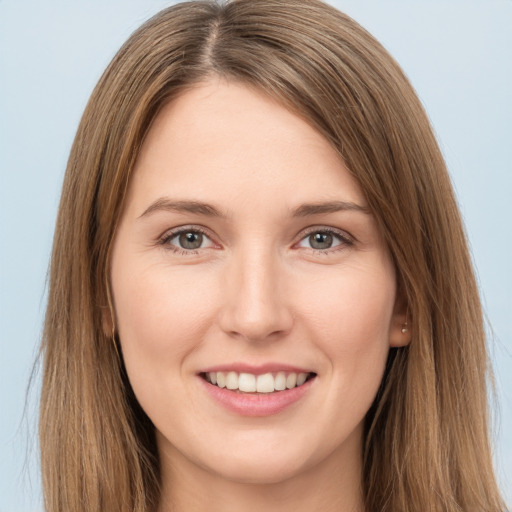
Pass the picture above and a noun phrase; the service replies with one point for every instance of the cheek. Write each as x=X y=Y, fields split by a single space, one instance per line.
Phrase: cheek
x=350 y=320
x=161 y=316
x=355 y=302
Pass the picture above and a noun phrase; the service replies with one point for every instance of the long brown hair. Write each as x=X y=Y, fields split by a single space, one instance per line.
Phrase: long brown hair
x=426 y=439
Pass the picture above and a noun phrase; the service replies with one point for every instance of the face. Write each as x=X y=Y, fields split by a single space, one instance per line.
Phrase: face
x=255 y=298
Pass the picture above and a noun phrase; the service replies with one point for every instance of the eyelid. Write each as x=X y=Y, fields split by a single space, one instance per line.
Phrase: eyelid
x=169 y=234
x=346 y=238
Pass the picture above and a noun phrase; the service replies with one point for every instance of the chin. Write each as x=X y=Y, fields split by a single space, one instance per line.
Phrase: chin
x=264 y=461
x=266 y=472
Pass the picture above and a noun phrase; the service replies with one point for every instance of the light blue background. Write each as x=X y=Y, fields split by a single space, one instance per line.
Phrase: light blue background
x=458 y=55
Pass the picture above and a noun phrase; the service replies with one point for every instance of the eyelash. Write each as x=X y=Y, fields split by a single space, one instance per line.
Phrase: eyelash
x=345 y=239
x=169 y=235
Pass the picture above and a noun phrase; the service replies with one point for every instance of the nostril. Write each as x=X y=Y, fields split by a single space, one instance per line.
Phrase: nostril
x=255 y=313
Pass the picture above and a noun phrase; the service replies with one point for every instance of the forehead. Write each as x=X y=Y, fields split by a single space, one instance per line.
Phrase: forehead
x=222 y=141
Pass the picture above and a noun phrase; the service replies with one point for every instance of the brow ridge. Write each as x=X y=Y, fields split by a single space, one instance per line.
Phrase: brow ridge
x=201 y=208
x=304 y=210
x=197 y=207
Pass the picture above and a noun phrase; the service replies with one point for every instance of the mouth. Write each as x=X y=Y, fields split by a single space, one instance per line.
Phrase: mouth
x=249 y=383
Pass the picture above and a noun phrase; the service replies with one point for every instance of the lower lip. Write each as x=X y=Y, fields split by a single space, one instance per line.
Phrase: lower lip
x=262 y=404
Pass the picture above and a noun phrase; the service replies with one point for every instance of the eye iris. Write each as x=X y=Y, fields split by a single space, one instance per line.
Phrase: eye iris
x=191 y=240
x=320 y=240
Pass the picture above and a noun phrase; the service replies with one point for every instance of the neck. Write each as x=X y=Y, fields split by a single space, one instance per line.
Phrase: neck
x=332 y=485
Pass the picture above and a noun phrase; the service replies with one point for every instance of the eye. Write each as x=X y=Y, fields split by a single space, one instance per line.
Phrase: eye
x=324 y=239
x=187 y=240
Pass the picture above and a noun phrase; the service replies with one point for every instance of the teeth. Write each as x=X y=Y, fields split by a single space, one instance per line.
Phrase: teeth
x=265 y=383
x=221 y=380
x=291 y=380
x=232 y=380
x=280 y=382
x=249 y=383
x=301 y=378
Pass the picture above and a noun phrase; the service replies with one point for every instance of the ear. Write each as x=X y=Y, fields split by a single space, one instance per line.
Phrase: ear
x=400 y=328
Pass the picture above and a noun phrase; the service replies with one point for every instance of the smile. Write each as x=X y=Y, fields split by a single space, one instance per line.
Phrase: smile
x=251 y=383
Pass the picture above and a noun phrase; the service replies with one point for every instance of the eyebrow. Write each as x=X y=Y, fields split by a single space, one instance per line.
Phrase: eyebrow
x=199 y=208
x=305 y=210
x=208 y=210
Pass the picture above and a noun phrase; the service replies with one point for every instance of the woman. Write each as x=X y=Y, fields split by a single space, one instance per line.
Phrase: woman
x=260 y=293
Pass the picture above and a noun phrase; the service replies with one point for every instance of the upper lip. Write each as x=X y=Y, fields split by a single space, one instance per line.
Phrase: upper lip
x=255 y=369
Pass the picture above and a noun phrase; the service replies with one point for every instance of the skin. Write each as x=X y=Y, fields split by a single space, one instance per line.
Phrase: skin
x=256 y=292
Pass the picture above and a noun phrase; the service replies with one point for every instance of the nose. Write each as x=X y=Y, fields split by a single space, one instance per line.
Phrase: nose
x=256 y=305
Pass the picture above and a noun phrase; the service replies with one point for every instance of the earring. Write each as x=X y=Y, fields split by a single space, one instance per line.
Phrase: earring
x=404 y=327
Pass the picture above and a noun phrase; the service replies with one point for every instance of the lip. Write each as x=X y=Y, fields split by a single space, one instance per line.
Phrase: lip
x=256 y=369
x=261 y=404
